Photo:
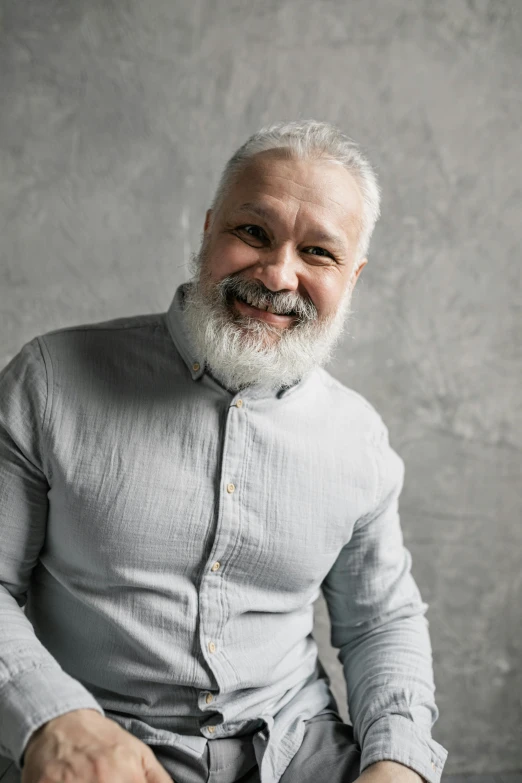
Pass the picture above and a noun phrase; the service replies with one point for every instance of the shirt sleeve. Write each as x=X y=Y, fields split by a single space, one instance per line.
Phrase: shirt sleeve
x=378 y=625
x=33 y=686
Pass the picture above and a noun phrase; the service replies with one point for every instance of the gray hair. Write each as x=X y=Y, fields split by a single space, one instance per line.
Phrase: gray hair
x=305 y=140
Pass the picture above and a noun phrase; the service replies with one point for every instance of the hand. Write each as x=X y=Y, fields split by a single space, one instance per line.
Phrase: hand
x=83 y=746
x=388 y=772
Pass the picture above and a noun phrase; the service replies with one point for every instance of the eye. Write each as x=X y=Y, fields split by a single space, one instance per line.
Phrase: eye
x=256 y=232
x=322 y=252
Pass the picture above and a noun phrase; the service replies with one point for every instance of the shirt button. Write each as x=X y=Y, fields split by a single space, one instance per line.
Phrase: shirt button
x=195 y=366
x=209 y=698
x=239 y=403
x=230 y=487
x=434 y=766
x=216 y=566
x=211 y=729
x=211 y=647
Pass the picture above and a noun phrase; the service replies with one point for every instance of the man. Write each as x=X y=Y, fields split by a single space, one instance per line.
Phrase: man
x=177 y=488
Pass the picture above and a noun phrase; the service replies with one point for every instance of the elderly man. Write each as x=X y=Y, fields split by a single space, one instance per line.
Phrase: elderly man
x=177 y=489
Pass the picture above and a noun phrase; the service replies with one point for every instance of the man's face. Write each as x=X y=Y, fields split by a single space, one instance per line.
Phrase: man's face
x=285 y=236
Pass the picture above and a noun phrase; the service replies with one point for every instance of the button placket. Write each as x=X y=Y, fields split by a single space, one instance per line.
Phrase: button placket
x=213 y=600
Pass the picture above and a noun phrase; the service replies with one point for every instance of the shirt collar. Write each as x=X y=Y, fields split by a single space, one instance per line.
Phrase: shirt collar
x=195 y=363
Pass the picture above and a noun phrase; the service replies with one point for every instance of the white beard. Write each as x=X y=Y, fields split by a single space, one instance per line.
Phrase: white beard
x=240 y=351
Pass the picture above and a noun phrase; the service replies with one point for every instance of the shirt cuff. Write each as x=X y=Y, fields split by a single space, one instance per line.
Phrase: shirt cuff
x=396 y=738
x=32 y=698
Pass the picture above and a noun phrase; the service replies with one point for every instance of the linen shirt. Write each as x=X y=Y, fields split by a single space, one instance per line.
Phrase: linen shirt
x=169 y=537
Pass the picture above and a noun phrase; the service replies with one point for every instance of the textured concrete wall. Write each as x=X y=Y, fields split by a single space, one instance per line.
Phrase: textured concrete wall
x=115 y=119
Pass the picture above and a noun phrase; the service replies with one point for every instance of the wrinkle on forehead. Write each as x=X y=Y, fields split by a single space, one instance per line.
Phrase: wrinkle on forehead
x=304 y=186
x=268 y=172
x=267 y=168
x=332 y=212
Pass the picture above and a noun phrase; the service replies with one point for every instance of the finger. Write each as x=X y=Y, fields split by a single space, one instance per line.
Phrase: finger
x=64 y=775
x=55 y=778
x=54 y=772
x=157 y=774
x=78 y=769
x=50 y=779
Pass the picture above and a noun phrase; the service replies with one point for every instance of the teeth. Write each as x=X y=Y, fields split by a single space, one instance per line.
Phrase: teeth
x=250 y=301
x=269 y=309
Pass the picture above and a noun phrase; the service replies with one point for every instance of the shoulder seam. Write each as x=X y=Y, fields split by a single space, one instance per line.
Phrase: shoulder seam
x=47 y=393
x=49 y=398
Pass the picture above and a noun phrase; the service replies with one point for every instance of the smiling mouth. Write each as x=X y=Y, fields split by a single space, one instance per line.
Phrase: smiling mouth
x=274 y=318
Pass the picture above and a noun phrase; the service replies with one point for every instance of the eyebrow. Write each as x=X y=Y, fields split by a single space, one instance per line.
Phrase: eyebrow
x=319 y=234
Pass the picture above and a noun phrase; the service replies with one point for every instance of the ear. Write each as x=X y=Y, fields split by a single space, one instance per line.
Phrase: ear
x=355 y=274
x=208 y=218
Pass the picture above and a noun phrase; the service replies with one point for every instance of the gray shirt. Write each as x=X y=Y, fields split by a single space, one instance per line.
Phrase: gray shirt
x=169 y=537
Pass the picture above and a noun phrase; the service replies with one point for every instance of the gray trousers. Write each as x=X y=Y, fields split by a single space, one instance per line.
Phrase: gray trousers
x=328 y=754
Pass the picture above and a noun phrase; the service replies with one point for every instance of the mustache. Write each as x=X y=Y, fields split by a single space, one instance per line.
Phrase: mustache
x=235 y=287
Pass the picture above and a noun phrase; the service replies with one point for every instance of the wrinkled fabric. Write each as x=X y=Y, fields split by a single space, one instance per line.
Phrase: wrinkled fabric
x=168 y=538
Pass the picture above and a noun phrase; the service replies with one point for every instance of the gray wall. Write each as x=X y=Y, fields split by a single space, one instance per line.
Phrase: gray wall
x=115 y=119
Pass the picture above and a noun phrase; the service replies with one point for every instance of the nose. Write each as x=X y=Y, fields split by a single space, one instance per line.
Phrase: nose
x=277 y=268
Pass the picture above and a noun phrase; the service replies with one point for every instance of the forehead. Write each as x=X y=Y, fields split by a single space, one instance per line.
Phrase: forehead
x=302 y=191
